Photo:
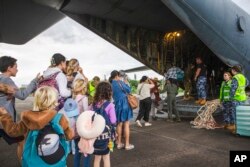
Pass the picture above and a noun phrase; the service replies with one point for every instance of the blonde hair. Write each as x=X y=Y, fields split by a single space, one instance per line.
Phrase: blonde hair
x=79 y=87
x=46 y=97
x=229 y=74
x=73 y=63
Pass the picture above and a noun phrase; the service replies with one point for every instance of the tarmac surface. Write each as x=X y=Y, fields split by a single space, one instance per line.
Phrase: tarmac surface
x=161 y=145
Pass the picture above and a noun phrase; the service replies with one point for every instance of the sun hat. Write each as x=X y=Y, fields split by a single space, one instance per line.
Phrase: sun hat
x=71 y=108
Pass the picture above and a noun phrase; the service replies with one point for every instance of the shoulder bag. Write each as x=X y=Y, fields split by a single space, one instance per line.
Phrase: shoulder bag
x=132 y=100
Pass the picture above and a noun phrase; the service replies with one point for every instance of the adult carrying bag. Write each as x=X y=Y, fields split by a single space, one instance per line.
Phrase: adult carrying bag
x=132 y=100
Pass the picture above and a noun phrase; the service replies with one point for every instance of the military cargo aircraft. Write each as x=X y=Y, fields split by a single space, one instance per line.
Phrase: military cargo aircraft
x=155 y=32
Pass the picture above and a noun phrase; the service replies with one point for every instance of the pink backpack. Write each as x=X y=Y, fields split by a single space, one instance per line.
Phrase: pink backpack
x=51 y=81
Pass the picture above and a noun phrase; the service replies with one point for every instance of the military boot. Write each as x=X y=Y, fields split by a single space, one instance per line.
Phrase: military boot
x=231 y=127
x=198 y=101
x=202 y=102
x=226 y=125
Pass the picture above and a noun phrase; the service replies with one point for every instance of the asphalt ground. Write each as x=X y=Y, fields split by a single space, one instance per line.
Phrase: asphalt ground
x=161 y=145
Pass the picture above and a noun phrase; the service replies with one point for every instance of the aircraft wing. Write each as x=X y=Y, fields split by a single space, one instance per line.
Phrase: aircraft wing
x=137 y=69
x=22 y=20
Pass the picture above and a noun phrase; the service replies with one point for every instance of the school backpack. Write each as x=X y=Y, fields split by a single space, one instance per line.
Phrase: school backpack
x=46 y=147
x=51 y=81
x=101 y=143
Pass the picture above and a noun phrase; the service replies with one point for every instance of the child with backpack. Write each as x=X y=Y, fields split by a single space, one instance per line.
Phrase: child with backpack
x=71 y=111
x=103 y=106
x=54 y=76
x=79 y=95
x=45 y=131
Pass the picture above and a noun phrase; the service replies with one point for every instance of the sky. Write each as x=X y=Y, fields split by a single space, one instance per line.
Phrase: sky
x=96 y=56
x=244 y=4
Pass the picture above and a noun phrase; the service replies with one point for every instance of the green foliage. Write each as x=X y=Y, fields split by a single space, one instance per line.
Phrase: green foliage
x=180 y=90
x=133 y=85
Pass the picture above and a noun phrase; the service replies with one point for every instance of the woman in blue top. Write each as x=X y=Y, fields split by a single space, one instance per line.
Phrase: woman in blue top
x=123 y=111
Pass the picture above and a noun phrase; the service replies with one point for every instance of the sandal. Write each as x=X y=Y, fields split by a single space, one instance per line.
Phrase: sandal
x=120 y=146
x=129 y=147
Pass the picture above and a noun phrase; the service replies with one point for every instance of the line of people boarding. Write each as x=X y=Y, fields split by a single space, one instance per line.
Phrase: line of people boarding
x=61 y=94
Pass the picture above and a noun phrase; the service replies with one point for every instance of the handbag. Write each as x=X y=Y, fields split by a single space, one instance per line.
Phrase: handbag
x=132 y=100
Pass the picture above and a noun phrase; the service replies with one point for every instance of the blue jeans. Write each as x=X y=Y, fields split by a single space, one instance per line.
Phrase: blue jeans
x=77 y=157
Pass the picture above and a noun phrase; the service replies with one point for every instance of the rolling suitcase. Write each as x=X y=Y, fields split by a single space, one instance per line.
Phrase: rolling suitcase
x=243 y=120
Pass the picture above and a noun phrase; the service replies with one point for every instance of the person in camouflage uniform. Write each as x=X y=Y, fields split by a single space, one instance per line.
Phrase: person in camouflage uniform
x=237 y=93
x=201 y=81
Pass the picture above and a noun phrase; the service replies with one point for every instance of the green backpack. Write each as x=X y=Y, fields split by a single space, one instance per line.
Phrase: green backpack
x=46 y=147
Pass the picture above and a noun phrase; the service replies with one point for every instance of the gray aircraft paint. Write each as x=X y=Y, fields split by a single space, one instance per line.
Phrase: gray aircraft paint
x=221 y=24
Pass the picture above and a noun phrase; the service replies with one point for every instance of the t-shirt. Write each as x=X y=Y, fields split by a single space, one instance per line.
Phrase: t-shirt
x=203 y=71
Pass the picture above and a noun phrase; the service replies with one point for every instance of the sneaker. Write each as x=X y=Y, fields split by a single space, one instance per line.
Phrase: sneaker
x=120 y=146
x=147 y=124
x=129 y=147
x=138 y=123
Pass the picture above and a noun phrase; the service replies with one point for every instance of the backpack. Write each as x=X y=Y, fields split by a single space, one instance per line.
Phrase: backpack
x=79 y=103
x=46 y=147
x=101 y=143
x=51 y=81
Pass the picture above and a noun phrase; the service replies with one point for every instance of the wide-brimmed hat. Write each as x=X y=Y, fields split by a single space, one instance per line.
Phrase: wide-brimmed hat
x=71 y=108
x=90 y=125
